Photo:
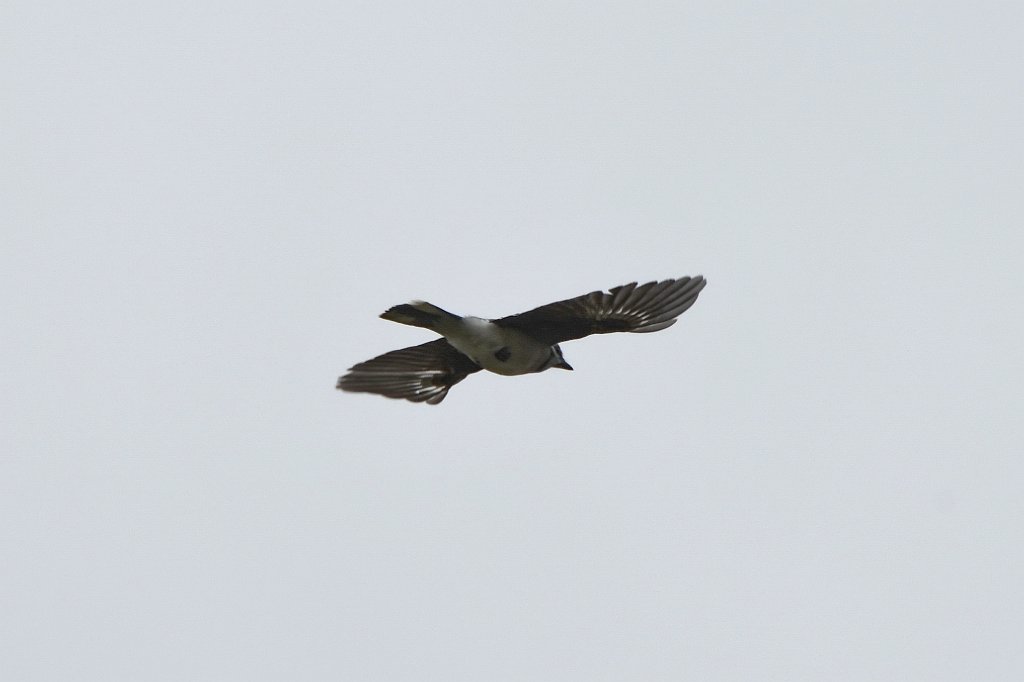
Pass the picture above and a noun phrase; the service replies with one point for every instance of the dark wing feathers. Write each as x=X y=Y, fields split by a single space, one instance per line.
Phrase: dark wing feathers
x=421 y=373
x=629 y=308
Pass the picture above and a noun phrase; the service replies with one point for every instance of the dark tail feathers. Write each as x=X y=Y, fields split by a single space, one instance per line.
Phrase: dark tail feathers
x=418 y=314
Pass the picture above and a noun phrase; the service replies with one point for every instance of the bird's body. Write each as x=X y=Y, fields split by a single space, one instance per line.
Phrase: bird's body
x=519 y=344
x=491 y=347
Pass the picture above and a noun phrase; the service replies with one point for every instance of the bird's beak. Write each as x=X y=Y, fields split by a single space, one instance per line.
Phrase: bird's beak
x=563 y=365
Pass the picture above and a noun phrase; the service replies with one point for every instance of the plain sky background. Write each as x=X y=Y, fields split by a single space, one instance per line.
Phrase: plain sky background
x=815 y=475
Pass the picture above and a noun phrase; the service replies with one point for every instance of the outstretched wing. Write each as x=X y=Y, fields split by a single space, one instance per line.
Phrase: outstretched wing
x=630 y=308
x=421 y=373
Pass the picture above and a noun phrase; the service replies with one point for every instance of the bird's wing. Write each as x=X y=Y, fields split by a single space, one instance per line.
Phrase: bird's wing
x=421 y=373
x=630 y=308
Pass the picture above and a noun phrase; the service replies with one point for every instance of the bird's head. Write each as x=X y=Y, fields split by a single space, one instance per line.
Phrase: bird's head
x=556 y=359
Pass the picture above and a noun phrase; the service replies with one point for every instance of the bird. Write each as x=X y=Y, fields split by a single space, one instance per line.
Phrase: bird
x=518 y=344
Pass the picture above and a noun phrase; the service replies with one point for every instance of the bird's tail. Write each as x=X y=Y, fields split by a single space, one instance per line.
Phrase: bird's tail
x=420 y=314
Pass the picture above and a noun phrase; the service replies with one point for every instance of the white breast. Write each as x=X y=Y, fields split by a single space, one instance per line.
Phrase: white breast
x=481 y=339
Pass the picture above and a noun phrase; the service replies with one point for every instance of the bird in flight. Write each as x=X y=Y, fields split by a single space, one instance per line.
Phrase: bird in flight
x=518 y=344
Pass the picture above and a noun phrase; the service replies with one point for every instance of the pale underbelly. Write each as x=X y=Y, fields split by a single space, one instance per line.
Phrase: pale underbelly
x=515 y=365
x=506 y=356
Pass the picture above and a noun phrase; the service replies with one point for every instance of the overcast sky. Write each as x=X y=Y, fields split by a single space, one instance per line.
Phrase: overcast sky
x=815 y=475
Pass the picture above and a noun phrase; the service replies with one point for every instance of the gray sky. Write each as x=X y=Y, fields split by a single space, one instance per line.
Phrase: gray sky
x=815 y=475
